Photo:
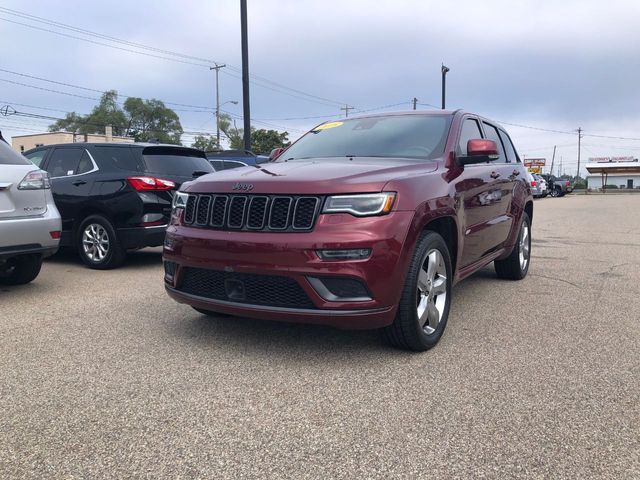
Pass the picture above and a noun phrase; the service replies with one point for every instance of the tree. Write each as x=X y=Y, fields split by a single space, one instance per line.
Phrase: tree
x=206 y=143
x=142 y=119
x=234 y=134
x=151 y=119
x=107 y=112
x=263 y=141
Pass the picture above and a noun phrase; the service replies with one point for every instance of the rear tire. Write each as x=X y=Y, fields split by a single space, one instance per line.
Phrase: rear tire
x=21 y=270
x=423 y=310
x=98 y=244
x=516 y=265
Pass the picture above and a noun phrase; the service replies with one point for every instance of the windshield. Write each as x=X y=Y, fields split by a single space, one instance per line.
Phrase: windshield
x=175 y=161
x=406 y=136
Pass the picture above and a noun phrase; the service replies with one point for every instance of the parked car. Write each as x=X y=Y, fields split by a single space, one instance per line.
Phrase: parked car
x=363 y=223
x=29 y=221
x=557 y=186
x=226 y=159
x=536 y=187
x=543 y=184
x=115 y=197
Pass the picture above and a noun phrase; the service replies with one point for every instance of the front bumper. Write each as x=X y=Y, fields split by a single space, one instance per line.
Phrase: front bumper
x=293 y=255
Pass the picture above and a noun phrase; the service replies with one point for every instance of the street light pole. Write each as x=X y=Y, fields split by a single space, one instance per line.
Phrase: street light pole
x=245 y=75
x=444 y=81
x=217 y=68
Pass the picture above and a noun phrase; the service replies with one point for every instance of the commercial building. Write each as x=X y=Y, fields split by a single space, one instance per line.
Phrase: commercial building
x=22 y=143
x=619 y=172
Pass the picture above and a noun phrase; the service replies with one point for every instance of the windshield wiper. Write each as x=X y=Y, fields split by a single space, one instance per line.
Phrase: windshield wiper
x=199 y=173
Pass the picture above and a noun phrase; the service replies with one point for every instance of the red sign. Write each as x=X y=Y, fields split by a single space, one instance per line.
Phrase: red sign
x=535 y=162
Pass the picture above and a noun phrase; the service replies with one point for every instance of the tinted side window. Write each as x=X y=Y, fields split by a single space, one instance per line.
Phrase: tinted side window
x=508 y=146
x=37 y=157
x=122 y=158
x=470 y=131
x=64 y=161
x=492 y=134
x=217 y=164
x=85 y=164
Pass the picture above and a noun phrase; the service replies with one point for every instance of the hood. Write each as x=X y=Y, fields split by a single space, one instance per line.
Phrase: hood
x=319 y=176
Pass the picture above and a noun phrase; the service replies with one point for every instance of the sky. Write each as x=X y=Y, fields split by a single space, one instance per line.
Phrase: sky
x=541 y=68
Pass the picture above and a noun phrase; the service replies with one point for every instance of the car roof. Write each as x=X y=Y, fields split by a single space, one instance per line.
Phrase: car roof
x=118 y=145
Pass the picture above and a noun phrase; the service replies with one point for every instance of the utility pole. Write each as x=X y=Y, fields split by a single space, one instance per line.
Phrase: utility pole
x=217 y=68
x=579 y=137
x=346 y=109
x=553 y=157
x=560 y=172
x=245 y=75
x=444 y=82
x=415 y=102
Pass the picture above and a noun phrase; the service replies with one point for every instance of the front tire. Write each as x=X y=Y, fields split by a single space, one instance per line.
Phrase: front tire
x=21 y=270
x=98 y=244
x=516 y=265
x=423 y=310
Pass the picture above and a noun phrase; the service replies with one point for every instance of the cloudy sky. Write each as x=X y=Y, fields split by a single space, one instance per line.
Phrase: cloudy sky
x=552 y=65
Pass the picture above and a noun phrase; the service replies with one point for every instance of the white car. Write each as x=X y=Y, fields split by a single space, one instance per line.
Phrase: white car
x=30 y=223
x=543 y=184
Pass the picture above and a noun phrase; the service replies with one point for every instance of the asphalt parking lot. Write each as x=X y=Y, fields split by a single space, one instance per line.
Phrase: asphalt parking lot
x=102 y=375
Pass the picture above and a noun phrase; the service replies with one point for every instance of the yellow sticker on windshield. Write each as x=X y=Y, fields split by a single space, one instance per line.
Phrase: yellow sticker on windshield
x=324 y=126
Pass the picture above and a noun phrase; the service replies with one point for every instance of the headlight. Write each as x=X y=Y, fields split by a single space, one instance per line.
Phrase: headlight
x=360 y=205
x=179 y=200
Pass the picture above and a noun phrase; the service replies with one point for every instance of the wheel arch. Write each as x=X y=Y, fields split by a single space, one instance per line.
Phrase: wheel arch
x=447 y=228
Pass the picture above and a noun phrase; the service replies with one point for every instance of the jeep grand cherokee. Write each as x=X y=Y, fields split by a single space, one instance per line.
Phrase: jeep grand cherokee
x=362 y=223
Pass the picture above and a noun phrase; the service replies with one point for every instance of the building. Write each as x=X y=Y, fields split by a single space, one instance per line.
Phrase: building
x=22 y=143
x=623 y=172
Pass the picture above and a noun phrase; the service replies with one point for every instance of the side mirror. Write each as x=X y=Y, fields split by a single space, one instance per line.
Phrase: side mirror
x=479 y=151
x=275 y=153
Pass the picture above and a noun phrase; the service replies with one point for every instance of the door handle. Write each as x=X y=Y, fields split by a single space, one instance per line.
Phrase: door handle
x=515 y=173
x=77 y=183
x=494 y=175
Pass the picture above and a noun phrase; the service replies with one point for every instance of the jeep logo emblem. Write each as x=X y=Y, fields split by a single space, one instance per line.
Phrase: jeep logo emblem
x=243 y=186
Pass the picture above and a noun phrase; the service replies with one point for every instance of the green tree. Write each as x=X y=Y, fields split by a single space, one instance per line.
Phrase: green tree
x=142 y=119
x=263 y=141
x=234 y=134
x=207 y=143
x=107 y=112
x=151 y=119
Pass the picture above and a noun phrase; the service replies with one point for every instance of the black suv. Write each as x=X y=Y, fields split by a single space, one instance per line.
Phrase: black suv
x=115 y=197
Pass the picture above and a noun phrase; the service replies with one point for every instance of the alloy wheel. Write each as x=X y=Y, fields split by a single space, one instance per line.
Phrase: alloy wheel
x=525 y=246
x=95 y=242
x=431 y=291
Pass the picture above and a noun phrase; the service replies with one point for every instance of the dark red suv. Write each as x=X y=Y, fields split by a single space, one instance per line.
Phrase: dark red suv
x=362 y=223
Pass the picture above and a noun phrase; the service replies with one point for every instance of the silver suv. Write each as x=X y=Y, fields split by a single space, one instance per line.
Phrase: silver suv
x=29 y=220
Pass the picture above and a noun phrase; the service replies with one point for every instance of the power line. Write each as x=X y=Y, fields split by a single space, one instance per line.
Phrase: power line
x=181 y=58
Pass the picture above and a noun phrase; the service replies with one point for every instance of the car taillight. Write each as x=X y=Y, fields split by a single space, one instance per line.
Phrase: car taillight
x=534 y=183
x=150 y=183
x=36 y=180
x=568 y=184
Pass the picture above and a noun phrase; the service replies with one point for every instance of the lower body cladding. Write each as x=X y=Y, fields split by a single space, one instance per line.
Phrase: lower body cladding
x=294 y=277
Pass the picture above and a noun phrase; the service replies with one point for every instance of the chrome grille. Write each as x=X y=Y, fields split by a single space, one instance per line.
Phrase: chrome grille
x=202 y=211
x=190 y=209
x=236 y=212
x=252 y=212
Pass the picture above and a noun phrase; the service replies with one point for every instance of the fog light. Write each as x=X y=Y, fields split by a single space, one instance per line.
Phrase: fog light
x=339 y=289
x=351 y=254
x=169 y=271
